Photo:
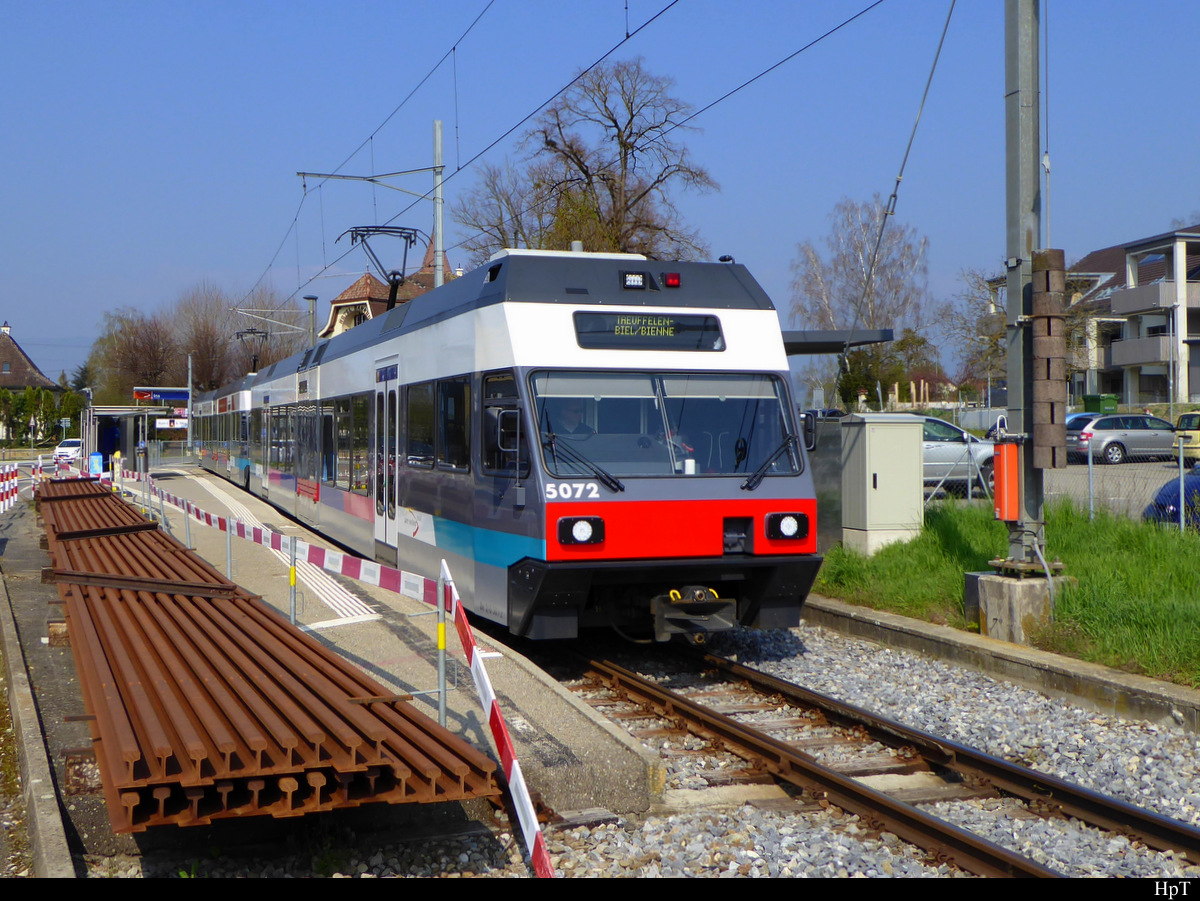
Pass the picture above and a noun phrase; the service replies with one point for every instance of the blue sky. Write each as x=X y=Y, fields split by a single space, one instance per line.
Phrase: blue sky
x=147 y=146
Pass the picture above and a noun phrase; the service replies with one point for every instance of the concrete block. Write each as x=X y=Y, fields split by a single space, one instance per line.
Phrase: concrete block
x=868 y=541
x=1010 y=609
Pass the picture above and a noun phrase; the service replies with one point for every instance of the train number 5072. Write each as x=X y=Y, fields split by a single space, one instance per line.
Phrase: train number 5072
x=567 y=491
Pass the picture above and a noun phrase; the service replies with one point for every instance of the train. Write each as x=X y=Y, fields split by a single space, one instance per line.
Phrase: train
x=587 y=439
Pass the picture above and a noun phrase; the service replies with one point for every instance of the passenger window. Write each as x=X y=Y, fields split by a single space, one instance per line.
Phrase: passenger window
x=420 y=426
x=454 y=423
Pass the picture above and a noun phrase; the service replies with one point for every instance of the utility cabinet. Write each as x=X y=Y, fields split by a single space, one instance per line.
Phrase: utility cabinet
x=882 y=479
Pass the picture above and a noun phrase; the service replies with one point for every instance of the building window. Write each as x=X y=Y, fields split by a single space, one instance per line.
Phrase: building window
x=7 y=367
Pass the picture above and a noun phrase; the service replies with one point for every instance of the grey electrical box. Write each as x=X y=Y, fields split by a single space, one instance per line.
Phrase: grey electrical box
x=882 y=479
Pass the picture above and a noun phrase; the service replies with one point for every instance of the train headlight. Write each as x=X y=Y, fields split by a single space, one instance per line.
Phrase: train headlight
x=787 y=526
x=580 y=530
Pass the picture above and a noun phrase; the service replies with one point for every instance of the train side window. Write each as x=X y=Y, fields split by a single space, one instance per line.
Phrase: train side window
x=342 y=431
x=419 y=428
x=360 y=467
x=328 y=444
x=454 y=423
x=503 y=437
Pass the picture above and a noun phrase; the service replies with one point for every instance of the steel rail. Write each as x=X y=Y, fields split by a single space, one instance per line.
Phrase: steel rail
x=1112 y=814
x=205 y=703
x=942 y=840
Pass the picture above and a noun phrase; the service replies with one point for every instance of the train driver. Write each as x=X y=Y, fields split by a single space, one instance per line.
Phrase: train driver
x=568 y=419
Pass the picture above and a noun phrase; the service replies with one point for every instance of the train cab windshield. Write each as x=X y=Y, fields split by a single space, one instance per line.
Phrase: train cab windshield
x=663 y=424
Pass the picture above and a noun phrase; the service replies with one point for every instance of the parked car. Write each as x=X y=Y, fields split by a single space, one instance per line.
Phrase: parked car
x=1117 y=437
x=827 y=413
x=957 y=456
x=1165 y=506
x=1187 y=430
x=69 y=451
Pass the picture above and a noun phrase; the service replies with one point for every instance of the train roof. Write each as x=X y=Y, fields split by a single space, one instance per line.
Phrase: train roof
x=551 y=277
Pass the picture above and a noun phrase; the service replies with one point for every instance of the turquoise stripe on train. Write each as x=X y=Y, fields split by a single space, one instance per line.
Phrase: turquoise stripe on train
x=486 y=546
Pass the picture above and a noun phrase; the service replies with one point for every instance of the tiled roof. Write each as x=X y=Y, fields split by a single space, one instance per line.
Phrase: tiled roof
x=22 y=373
x=366 y=288
x=373 y=293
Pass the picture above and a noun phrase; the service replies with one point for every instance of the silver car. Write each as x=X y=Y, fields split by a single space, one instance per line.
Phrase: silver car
x=1117 y=437
x=956 y=458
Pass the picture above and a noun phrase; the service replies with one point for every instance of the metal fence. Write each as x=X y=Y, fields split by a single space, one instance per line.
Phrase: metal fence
x=170 y=453
x=1127 y=489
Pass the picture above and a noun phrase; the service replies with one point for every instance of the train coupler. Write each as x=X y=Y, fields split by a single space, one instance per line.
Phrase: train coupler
x=692 y=611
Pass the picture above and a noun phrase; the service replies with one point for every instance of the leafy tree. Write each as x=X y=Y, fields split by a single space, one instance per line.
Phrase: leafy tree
x=81 y=378
x=603 y=161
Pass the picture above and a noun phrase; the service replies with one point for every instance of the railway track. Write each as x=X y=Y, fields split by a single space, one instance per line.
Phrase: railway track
x=883 y=772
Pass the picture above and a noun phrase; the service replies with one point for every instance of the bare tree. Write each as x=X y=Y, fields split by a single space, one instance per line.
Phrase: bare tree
x=973 y=322
x=506 y=208
x=283 y=328
x=133 y=349
x=834 y=290
x=604 y=161
x=202 y=319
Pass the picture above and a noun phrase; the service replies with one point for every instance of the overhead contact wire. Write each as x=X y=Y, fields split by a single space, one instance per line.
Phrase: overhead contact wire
x=890 y=209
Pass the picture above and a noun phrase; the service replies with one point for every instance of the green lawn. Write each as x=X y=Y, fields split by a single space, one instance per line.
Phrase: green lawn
x=1135 y=605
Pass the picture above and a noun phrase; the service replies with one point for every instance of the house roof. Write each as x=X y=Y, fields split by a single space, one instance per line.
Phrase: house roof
x=372 y=294
x=21 y=372
x=1106 y=267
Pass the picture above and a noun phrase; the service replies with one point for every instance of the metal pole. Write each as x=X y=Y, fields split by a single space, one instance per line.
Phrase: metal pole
x=1026 y=536
x=312 y=319
x=441 y=643
x=189 y=406
x=187 y=523
x=292 y=580
x=1091 y=484
x=438 y=239
x=1182 y=518
x=228 y=547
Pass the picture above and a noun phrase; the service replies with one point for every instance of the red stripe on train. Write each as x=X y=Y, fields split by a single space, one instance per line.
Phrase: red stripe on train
x=661 y=529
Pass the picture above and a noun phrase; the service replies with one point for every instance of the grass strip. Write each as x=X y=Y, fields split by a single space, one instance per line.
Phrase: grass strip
x=1135 y=604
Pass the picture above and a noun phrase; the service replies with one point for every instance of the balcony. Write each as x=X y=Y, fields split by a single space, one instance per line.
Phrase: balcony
x=1151 y=298
x=1141 y=351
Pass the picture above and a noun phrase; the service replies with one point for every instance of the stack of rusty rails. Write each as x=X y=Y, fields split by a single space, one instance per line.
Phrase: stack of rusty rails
x=205 y=703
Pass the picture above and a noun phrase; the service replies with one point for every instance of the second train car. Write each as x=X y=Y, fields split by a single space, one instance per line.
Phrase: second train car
x=586 y=439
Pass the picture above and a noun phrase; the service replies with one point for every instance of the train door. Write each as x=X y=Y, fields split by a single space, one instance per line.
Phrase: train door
x=308 y=461
x=387 y=416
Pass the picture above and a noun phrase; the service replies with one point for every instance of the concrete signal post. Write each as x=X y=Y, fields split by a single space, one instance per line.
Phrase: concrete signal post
x=1021 y=594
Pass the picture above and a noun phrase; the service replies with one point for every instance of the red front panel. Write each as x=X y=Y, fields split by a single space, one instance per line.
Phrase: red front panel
x=641 y=530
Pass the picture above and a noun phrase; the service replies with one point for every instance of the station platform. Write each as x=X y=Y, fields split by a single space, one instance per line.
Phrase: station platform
x=570 y=758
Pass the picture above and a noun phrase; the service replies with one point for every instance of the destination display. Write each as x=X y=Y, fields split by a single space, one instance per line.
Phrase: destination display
x=648 y=331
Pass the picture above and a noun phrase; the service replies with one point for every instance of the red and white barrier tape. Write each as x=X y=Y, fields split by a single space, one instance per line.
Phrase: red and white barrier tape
x=418 y=587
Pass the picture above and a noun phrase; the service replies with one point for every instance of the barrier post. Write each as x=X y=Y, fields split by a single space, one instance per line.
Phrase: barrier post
x=441 y=648
x=292 y=579
x=228 y=547
x=187 y=523
x=162 y=512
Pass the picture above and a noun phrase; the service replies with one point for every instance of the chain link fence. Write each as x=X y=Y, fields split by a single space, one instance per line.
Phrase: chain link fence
x=1138 y=488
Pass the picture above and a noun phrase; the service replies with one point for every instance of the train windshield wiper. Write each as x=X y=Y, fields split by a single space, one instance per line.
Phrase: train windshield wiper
x=575 y=458
x=759 y=474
